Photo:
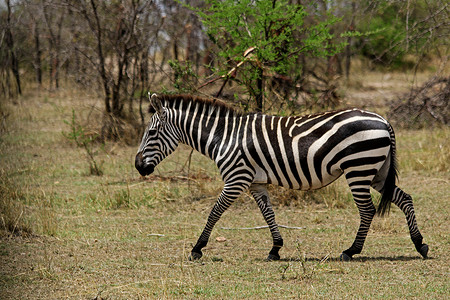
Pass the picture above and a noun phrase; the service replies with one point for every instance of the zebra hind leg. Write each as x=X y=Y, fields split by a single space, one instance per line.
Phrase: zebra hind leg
x=363 y=200
x=404 y=202
x=259 y=192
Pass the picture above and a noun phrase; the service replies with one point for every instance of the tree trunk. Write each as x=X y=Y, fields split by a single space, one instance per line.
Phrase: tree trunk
x=54 y=40
x=175 y=50
x=10 y=44
x=98 y=34
x=58 y=49
x=144 y=79
x=117 y=106
x=37 y=54
x=348 y=51
x=259 y=97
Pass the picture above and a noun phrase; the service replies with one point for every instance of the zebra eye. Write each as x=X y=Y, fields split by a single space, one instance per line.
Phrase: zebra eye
x=152 y=132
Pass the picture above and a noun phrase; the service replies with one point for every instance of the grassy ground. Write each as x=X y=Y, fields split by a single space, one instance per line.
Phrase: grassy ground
x=68 y=234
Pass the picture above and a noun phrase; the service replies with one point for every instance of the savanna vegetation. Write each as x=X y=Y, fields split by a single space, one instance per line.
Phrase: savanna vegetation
x=76 y=219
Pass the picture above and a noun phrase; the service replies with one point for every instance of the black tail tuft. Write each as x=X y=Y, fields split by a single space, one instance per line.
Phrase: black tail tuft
x=389 y=184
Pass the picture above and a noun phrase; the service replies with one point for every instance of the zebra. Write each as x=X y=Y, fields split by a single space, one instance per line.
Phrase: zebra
x=252 y=150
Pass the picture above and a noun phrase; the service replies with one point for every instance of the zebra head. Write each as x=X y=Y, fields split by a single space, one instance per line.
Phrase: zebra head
x=159 y=139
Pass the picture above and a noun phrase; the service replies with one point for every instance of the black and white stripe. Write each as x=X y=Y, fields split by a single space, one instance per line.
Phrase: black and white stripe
x=253 y=150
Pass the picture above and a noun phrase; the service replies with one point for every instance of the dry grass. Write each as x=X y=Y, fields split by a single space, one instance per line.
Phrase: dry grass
x=120 y=237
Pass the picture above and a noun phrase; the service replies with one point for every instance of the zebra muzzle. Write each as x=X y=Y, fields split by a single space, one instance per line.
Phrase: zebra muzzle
x=143 y=168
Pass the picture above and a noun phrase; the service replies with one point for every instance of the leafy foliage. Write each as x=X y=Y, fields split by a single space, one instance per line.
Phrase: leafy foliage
x=396 y=29
x=183 y=76
x=274 y=31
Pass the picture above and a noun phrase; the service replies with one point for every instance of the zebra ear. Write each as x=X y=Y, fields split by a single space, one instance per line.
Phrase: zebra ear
x=155 y=102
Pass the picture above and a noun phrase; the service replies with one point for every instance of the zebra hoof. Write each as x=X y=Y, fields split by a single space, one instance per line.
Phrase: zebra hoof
x=272 y=257
x=345 y=257
x=424 y=251
x=195 y=256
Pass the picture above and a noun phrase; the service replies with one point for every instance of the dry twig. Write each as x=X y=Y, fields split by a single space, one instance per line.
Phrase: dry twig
x=260 y=227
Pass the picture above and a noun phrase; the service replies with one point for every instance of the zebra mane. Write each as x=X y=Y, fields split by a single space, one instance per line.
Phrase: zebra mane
x=174 y=100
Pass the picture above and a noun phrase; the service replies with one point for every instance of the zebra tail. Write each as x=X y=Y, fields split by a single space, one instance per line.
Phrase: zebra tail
x=389 y=184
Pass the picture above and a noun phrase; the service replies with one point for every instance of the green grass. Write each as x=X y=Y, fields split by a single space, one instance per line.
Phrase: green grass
x=117 y=236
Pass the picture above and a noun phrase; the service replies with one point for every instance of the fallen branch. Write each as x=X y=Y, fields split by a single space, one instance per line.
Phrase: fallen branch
x=153 y=177
x=261 y=227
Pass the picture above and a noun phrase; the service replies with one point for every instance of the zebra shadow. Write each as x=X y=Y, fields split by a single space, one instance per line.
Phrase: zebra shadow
x=356 y=259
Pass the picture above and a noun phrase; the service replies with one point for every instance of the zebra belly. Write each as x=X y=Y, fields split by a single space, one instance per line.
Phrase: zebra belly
x=263 y=177
x=326 y=180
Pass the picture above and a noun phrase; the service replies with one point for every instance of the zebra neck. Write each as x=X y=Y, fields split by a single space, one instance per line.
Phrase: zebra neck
x=209 y=133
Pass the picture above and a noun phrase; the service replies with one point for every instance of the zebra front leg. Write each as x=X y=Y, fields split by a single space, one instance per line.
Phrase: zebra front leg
x=259 y=192
x=367 y=211
x=404 y=202
x=226 y=198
